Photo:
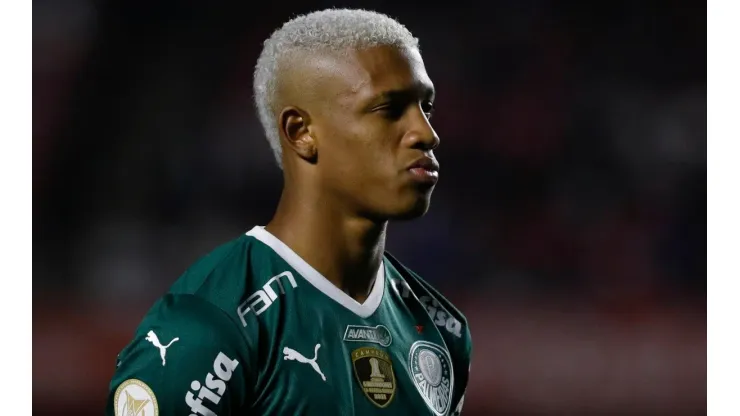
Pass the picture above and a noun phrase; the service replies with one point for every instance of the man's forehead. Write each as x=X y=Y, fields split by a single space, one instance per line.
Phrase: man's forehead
x=384 y=69
x=361 y=74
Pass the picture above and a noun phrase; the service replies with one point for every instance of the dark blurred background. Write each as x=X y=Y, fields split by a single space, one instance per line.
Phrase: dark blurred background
x=569 y=224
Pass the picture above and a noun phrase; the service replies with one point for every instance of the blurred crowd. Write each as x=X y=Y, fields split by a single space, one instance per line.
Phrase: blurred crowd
x=573 y=164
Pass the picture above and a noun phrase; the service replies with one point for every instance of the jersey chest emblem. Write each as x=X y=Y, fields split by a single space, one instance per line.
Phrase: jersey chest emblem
x=430 y=368
x=374 y=371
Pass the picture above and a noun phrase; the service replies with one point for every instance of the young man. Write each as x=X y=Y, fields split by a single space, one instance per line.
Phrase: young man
x=309 y=315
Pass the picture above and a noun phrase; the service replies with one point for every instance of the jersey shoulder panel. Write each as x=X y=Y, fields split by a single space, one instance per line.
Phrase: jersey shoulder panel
x=227 y=276
x=448 y=317
x=218 y=277
x=228 y=273
x=186 y=357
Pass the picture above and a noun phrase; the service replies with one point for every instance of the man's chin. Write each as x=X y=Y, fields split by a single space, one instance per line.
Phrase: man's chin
x=416 y=210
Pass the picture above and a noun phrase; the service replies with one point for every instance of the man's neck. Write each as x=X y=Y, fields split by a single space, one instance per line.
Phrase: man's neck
x=347 y=250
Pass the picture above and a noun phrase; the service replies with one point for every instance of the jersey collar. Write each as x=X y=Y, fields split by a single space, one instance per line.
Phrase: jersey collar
x=317 y=280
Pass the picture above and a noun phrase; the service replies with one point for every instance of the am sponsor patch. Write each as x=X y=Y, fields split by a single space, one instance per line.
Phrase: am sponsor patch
x=378 y=334
x=374 y=372
x=430 y=368
x=134 y=398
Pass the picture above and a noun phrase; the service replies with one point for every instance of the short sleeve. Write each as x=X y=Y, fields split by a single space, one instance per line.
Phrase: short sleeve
x=187 y=357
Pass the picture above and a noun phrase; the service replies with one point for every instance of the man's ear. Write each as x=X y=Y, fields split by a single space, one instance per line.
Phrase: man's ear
x=293 y=123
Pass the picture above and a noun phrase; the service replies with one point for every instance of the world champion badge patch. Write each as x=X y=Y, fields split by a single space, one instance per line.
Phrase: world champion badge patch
x=374 y=371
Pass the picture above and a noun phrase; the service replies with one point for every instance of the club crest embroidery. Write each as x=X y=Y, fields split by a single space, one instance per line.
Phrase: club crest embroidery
x=374 y=372
x=431 y=370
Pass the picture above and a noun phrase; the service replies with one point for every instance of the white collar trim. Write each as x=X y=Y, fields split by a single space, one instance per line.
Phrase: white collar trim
x=363 y=310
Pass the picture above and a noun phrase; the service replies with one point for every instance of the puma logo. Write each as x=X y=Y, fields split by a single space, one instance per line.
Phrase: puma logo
x=291 y=354
x=152 y=337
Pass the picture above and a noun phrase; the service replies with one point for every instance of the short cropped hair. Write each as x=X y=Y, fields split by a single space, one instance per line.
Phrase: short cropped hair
x=332 y=30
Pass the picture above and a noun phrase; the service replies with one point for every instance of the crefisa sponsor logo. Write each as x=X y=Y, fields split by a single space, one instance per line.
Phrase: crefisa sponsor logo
x=213 y=387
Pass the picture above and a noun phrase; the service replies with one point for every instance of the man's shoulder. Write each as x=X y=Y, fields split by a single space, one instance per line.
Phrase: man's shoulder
x=449 y=319
x=200 y=308
x=208 y=295
x=226 y=274
x=182 y=311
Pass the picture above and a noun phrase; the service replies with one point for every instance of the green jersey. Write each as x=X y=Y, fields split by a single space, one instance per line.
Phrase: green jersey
x=252 y=329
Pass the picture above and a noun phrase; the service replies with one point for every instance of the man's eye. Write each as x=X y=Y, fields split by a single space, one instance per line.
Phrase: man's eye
x=428 y=108
x=393 y=111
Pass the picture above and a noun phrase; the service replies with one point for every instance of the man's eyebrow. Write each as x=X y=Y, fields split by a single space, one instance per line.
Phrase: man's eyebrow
x=417 y=91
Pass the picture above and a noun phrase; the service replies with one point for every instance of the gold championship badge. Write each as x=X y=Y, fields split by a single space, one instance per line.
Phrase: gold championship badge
x=134 y=398
x=374 y=372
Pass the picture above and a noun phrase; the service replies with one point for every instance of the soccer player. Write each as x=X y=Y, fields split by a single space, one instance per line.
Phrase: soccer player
x=309 y=315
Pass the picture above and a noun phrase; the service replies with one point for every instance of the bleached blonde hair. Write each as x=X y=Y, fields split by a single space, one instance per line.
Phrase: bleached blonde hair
x=334 y=30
